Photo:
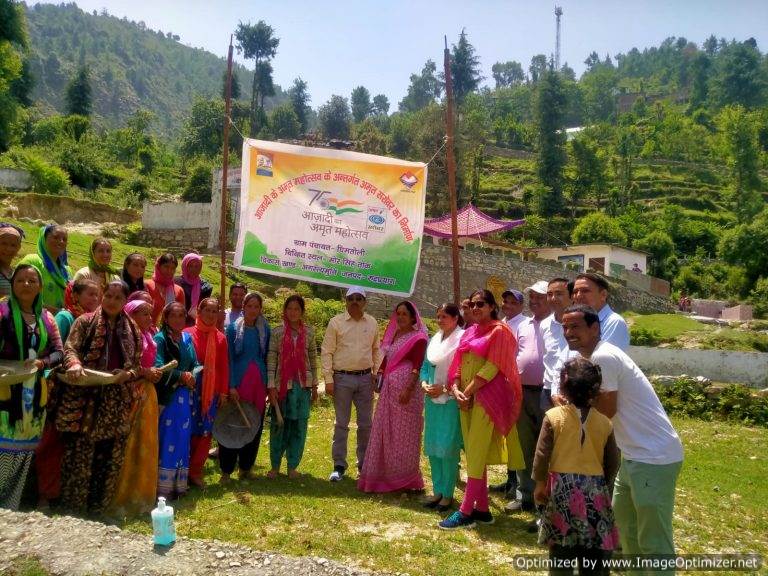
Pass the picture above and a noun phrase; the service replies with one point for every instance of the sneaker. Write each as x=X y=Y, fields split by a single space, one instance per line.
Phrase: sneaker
x=503 y=487
x=456 y=520
x=482 y=517
x=519 y=505
x=336 y=475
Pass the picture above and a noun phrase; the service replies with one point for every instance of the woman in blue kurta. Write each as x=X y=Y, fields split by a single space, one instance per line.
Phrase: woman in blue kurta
x=174 y=396
x=247 y=379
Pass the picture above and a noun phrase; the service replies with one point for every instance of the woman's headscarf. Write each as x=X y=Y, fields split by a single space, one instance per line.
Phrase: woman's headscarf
x=18 y=323
x=70 y=305
x=58 y=268
x=193 y=281
x=419 y=333
x=209 y=362
x=164 y=282
x=95 y=266
x=293 y=365
x=149 y=348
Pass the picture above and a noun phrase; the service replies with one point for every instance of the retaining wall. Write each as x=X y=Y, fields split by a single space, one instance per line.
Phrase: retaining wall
x=176 y=240
x=749 y=368
x=175 y=215
x=64 y=209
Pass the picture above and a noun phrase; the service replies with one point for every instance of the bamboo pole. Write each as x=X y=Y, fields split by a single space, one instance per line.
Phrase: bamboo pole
x=225 y=170
x=451 y=165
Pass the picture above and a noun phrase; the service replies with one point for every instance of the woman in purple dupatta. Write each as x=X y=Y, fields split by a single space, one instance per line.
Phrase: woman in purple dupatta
x=393 y=454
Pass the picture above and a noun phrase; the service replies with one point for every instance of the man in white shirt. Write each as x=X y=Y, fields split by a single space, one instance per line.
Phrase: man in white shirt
x=512 y=308
x=237 y=293
x=592 y=290
x=652 y=454
x=559 y=292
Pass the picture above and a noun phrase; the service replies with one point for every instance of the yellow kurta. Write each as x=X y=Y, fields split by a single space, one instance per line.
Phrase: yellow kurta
x=482 y=442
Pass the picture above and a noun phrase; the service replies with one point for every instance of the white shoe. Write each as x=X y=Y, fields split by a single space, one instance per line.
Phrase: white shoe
x=336 y=475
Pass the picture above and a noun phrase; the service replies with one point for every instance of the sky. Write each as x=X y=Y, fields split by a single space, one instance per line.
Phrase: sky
x=338 y=45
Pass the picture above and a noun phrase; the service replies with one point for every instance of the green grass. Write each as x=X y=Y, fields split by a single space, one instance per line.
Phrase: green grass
x=721 y=506
x=668 y=326
x=26 y=567
x=738 y=340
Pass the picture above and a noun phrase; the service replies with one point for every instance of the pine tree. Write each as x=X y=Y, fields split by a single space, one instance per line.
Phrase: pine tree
x=550 y=115
x=78 y=95
x=465 y=68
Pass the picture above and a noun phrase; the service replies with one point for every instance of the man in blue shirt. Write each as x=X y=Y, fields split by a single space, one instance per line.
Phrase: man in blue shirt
x=592 y=290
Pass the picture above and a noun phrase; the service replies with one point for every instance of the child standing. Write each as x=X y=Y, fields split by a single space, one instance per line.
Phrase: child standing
x=575 y=463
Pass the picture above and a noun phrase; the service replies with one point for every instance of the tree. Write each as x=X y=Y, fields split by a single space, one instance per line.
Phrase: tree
x=368 y=138
x=538 y=67
x=13 y=43
x=589 y=174
x=550 y=112
x=465 y=68
x=299 y=96
x=700 y=68
x=198 y=185
x=284 y=123
x=380 y=105
x=598 y=228
x=78 y=94
x=361 y=103
x=202 y=132
x=738 y=135
x=508 y=74
x=335 y=118
x=234 y=87
x=626 y=150
x=740 y=78
x=422 y=90
x=257 y=42
x=661 y=247
x=747 y=245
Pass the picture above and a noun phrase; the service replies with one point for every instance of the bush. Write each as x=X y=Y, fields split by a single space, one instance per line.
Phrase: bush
x=131 y=234
x=46 y=179
x=734 y=402
x=759 y=298
x=198 y=185
x=598 y=228
x=645 y=337
x=136 y=188
x=84 y=163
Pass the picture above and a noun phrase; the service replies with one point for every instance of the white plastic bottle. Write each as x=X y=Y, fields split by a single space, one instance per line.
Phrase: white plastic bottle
x=163 y=529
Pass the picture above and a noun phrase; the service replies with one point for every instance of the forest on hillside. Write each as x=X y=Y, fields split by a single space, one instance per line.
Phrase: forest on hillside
x=663 y=148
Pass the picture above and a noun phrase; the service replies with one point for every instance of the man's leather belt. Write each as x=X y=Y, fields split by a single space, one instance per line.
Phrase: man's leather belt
x=353 y=372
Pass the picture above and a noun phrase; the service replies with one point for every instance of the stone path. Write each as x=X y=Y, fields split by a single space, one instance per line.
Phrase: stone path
x=68 y=546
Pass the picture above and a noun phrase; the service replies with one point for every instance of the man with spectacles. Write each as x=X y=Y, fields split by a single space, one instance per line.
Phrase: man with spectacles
x=350 y=358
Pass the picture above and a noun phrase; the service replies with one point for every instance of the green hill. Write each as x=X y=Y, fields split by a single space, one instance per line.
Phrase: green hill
x=131 y=66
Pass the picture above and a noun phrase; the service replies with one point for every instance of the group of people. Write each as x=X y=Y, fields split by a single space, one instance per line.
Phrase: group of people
x=172 y=358
x=553 y=396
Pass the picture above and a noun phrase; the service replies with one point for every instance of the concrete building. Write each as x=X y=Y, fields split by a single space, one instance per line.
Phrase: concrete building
x=607 y=259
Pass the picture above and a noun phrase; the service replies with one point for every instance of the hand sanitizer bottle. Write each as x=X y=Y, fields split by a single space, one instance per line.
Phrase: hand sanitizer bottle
x=164 y=532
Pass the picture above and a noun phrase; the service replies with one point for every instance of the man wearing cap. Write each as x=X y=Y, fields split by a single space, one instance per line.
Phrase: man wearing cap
x=513 y=309
x=530 y=364
x=350 y=358
x=592 y=290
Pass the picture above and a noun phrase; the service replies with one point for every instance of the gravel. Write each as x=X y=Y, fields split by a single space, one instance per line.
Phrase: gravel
x=70 y=546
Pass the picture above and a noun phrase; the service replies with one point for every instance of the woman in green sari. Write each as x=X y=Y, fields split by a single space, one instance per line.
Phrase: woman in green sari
x=51 y=262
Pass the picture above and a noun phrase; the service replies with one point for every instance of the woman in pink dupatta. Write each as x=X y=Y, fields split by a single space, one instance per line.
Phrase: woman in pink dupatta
x=393 y=454
x=485 y=382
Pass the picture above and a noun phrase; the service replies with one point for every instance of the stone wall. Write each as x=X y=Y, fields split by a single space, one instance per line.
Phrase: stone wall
x=15 y=179
x=64 y=209
x=486 y=268
x=176 y=240
x=750 y=368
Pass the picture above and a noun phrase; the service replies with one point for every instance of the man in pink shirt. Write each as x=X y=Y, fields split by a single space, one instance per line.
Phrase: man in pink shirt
x=530 y=363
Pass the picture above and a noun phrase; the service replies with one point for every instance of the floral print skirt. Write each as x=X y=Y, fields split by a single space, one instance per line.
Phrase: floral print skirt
x=578 y=513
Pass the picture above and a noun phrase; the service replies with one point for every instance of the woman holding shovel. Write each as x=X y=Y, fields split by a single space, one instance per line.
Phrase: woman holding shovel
x=247 y=383
x=292 y=365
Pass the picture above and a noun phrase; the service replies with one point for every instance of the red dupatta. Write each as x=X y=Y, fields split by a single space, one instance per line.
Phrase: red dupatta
x=502 y=396
x=292 y=357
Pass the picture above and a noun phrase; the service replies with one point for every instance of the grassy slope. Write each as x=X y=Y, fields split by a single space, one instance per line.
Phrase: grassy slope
x=721 y=506
x=669 y=326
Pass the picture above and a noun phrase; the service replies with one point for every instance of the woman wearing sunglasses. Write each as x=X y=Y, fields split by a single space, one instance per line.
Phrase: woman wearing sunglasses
x=484 y=380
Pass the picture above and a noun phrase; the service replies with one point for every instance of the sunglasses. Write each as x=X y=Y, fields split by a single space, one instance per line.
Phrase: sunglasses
x=478 y=304
x=355 y=298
